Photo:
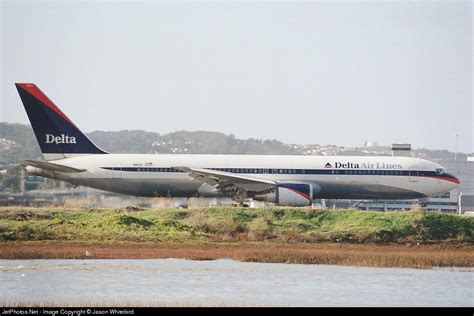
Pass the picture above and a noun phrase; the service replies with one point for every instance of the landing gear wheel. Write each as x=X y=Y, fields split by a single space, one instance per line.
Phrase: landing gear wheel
x=239 y=195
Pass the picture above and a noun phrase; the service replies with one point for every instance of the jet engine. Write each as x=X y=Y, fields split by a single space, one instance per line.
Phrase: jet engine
x=289 y=194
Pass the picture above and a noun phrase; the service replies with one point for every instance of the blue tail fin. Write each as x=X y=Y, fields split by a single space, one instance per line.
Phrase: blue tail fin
x=56 y=133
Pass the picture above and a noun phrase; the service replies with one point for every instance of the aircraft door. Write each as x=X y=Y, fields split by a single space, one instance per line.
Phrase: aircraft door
x=413 y=175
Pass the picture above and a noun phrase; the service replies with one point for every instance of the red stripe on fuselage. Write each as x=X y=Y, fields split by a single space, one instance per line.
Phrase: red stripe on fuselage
x=453 y=180
x=38 y=94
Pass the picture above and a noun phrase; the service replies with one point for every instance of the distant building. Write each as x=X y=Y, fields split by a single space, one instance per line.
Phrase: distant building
x=401 y=150
x=370 y=143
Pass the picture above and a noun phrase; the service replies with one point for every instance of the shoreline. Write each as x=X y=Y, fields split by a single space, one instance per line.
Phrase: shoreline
x=422 y=256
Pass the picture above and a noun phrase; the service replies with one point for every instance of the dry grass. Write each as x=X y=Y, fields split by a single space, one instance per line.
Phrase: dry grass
x=409 y=256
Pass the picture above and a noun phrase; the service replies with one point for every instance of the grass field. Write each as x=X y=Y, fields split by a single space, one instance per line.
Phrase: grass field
x=233 y=224
x=288 y=235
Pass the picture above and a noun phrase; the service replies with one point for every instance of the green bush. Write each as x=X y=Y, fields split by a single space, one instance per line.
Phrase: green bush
x=227 y=223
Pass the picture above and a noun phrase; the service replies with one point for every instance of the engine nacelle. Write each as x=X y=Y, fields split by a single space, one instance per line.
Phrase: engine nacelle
x=289 y=194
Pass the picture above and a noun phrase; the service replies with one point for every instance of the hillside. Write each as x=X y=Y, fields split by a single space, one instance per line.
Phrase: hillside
x=17 y=142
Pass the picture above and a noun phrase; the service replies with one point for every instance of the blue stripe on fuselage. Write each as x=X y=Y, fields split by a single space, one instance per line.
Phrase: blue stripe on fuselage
x=413 y=173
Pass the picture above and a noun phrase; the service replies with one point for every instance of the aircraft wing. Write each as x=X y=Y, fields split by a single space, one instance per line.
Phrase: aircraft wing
x=50 y=166
x=227 y=180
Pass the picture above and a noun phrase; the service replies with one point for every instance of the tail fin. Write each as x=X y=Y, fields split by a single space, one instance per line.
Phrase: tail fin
x=57 y=135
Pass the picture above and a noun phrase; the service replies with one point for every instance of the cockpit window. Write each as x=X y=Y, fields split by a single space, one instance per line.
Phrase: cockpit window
x=439 y=171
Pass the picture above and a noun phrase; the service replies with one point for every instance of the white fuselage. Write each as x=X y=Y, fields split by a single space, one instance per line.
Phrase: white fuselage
x=334 y=177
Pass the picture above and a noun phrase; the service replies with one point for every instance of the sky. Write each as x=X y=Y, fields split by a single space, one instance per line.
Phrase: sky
x=301 y=72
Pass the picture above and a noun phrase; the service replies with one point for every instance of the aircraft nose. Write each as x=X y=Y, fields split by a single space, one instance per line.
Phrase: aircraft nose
x=450 y=182
x=446 y=182
x=454 y=179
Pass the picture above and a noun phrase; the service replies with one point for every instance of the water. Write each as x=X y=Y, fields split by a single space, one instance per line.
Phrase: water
x=228 y=283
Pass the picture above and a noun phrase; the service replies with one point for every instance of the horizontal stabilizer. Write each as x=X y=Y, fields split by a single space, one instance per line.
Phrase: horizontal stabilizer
x=50 y=166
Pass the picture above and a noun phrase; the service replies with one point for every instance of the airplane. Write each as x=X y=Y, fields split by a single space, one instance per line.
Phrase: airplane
x=288 y=180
